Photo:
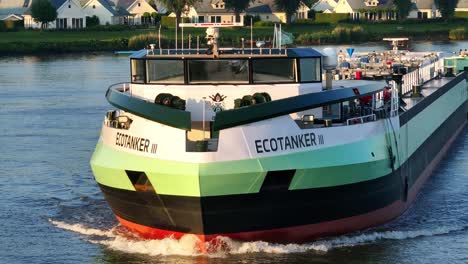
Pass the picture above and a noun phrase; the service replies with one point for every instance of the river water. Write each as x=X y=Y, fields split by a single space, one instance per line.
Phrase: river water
x=51 y=210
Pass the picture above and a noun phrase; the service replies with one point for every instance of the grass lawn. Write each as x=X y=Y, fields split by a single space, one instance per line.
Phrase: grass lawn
x=31 y=40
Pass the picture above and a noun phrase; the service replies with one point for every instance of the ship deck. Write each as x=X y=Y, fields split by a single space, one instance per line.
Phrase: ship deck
x=427 y=89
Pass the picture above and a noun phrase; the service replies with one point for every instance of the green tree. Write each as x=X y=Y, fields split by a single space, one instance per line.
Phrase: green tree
x=156 y=17
x=92 y=21
x=446 y=7
x=403 y=8
x=289 y=7
x=178 y=6
x=238 y=6
x=153 y=4
x=43 y=12
x=146 y=18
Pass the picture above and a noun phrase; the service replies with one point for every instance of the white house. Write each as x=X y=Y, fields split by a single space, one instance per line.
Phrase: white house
x=136 y=8
x=424 y=9
x=70 y=15
x=211 y=11
x=462 y=6
x=268 y=11
x=107 y=12
x=13 y=9
x=367 y=9
x=324 y=5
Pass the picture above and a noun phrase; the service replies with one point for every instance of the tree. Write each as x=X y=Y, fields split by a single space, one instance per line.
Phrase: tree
x=238 y=6
x=156 y=17
x=446 y=7
x=92 y=21
x=153 y=4
x=289 y=7
x=178 y=6
x=43 y=12
x=146 y=18
x=403 y=8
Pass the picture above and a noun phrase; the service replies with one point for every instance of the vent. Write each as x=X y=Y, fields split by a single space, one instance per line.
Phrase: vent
x=277 y=181
x=140 y=181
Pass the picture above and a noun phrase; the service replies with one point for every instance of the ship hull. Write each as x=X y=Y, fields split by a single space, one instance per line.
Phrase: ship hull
x=331 y=211
x=278 y=213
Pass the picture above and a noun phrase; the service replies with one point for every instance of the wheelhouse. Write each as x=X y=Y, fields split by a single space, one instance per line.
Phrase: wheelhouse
x=232 y=66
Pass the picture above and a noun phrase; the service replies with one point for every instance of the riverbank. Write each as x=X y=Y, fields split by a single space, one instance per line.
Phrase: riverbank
x=30 y=42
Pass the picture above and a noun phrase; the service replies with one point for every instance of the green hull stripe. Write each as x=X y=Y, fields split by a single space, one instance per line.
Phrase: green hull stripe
x=318 y=168
x=425 y=123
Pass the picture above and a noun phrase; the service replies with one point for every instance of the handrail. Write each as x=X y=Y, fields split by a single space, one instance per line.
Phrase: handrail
x=421 y=75
x=117 y=96
x=362 y=119
x=254 y=113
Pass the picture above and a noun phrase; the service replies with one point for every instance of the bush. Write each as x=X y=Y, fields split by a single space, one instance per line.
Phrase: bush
x=247 y=18
x=168 y=22
x=264 y=24
x=461 y=14
x=330 y=17
x=304 y=22
x=10 y=25
x=108 y=28
x=92 y=21
x=458 y=34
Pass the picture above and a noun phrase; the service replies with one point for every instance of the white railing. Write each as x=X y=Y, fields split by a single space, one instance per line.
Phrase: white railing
x=421 y=75
x=361 y=119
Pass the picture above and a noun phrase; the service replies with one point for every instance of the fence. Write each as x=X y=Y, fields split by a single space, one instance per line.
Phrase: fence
x=421 y=75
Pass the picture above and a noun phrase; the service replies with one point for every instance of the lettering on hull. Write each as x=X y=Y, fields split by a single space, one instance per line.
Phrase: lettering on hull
x=306 y=140
x=135 y=143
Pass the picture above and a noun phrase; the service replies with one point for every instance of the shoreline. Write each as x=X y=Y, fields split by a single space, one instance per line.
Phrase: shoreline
x=29 y=42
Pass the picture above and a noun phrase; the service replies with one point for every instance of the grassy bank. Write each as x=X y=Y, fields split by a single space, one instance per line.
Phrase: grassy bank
x=28 y=41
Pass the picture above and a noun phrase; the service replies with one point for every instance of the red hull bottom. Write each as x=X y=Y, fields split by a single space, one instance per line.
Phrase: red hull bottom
x=305 y=233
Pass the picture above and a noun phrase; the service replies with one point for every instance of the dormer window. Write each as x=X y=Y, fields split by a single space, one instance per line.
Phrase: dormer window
x=218 y=4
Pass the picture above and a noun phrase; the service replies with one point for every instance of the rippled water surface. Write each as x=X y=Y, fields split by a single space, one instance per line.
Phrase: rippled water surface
x=51 y=210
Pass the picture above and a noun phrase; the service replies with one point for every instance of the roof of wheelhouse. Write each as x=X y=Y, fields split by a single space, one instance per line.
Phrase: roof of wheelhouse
x=229 y=53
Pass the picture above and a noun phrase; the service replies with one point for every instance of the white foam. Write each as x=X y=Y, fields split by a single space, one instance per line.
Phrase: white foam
x=188 y=245
x=80 y=229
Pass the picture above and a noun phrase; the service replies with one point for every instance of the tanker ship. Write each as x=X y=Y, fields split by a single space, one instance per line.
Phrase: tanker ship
x=260 y=144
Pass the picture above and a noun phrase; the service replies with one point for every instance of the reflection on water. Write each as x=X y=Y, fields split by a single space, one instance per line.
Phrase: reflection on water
x=52 y=211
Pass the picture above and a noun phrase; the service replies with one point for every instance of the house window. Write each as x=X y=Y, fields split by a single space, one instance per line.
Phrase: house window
x=201 y=19
x=61 y=23
x=69 y=6
x=139 y=4
x=215 y=19
x=77 y=22
x=94 y=6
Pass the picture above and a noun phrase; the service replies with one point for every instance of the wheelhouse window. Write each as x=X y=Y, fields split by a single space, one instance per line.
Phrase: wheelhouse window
x=218 y=71
x=281 y=70
x=165 y=71
x=310 y=69
x=138 y=71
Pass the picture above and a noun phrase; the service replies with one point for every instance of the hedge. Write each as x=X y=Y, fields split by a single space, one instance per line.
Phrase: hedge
x=461 y=14
x=330 y=17
x=167 y=21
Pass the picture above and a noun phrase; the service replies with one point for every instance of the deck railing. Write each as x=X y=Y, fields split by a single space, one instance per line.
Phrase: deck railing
x=421 y=75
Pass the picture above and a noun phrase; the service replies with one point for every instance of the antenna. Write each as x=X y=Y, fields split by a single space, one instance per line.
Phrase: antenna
x=251 y=35
x=176 y=34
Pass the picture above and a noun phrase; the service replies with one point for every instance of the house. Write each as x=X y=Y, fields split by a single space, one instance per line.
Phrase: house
x=367 y=9
x=211 y=11
x=12 y=10
x=268 y=11
x=107 y=12
x=462 y=6
x=325 y=6
x=136 y=9
x=70 y=15
x=424 y=9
